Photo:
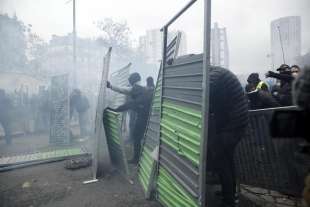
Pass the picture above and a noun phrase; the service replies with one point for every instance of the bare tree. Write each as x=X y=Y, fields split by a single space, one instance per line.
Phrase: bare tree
x=13 y=43
x=115 y=34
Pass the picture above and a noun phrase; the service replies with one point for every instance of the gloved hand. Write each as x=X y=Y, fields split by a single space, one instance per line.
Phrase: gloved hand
x=109 y=84
x=267 y=75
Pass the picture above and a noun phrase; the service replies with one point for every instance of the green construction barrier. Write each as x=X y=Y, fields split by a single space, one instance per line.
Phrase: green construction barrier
x=112 y=124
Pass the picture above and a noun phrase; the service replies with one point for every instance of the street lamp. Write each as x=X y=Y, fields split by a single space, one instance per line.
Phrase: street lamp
x=73 y=45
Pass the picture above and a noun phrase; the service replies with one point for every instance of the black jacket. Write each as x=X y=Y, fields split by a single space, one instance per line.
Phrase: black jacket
x=139 y=102
x=284 y=93
x=228 y=103
x=261 y=99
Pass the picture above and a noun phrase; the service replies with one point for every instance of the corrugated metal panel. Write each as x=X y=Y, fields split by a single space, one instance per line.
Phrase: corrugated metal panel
x=147 y=164
x=180 y=133
x=170 y=193
x=120 y=79
x=175 y=121
x=112 y=125
x=268 y=163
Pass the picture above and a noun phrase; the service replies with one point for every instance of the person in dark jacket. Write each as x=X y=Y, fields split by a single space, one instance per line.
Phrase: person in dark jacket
x=80 y=103
x=140 y=104
x=260 y=99
x=227 y=125
x=150 y=86
x=283 y=93
x=255 y=81
x=150 y=83
x=5 y=105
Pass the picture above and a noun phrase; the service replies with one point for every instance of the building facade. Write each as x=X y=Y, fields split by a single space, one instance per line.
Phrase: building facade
x=150 y=44
x=219 y=47
x=285 y=40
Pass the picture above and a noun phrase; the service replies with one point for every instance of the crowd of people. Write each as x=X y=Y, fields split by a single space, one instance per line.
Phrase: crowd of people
x=21 y=112
x=261 y=95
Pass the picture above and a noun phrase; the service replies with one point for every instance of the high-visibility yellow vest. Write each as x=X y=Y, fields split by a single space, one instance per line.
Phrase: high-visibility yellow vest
x=260 y=85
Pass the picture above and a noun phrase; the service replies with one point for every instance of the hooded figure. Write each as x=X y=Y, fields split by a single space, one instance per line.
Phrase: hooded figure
x=283 y=93
x=139 y=102
x=255 y=81
x=227 y=125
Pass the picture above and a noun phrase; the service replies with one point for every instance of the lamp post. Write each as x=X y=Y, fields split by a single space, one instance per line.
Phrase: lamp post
x=74 y=82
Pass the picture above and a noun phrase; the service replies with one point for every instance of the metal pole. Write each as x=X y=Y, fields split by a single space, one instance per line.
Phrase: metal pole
x=206 y=99
x=280 y=37
x=179 y=14
x=165 y=37
x=161 y=76
x=74 y=46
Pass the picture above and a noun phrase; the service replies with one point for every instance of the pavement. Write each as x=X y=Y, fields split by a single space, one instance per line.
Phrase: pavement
x=52 y=185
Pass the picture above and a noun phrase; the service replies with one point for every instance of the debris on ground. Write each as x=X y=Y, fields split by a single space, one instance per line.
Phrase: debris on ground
x=78 y=163
x=26 y=185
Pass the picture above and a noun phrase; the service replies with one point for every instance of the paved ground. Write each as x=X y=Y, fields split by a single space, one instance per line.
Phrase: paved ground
x=52 y=185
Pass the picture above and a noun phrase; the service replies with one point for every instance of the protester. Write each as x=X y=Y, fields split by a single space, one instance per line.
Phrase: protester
x=80 y=103
x=295 y=70
x=228 y=122
x=5 y=107
x=285 y=77
x=301 y=98
x=255 y=81
x=150 y=83
x=260 y=99
x=140 y=103
x=150 y=86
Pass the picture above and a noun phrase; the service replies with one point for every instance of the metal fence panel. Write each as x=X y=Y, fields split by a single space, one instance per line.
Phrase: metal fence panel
x=147 y=163
x=180 y=133
x=120 y=79
x=101 y=156
x=267 y=163
x=59 y=114
x=112 y=124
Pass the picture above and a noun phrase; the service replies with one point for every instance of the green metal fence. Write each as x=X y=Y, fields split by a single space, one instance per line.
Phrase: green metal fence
x=112 y=124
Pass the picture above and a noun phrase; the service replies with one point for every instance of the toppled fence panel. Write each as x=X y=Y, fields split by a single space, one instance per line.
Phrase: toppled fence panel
x=112 y=124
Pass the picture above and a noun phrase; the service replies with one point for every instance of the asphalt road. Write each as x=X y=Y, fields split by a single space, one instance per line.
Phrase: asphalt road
x=52 y=185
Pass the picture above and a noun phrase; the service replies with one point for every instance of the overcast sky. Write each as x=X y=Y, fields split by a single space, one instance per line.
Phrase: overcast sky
x=247 y=21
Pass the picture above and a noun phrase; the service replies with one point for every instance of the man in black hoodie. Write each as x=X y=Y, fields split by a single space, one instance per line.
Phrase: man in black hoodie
x=138 y=102
x=227 y=125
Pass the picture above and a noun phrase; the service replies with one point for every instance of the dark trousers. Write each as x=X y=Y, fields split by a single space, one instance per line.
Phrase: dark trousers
x=225 y=168
x=136 y=149
x=221 y=158
x=137 y=136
